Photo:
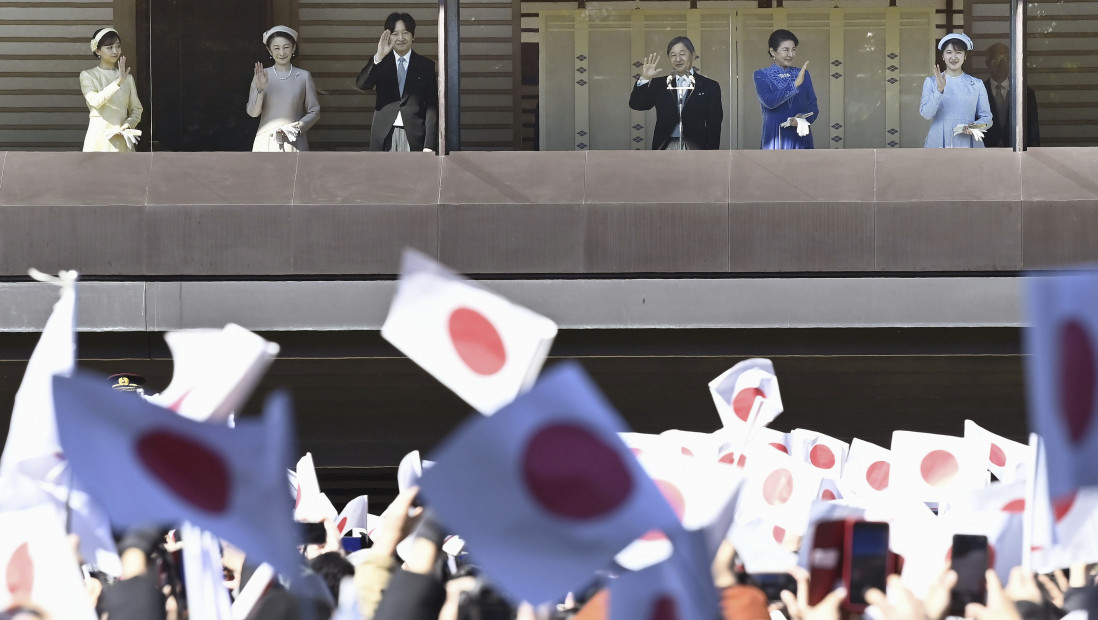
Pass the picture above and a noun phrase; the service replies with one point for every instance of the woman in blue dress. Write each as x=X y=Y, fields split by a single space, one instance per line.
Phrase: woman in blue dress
x=785 y=92
x=955 y=102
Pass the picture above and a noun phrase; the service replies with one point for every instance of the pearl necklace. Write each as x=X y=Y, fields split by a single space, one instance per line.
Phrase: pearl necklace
x=288 y=74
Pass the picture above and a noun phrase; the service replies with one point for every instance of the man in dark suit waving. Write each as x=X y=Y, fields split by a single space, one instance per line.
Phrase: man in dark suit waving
x=688 y=105
x=406 y=112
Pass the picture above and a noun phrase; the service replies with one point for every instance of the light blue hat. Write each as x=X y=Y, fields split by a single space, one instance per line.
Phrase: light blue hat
x=960 y=36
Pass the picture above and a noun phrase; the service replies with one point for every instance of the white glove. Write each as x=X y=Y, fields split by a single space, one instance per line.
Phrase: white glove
x=802 y=127
x=290 y=130
x=131 y=136
x=977 y=134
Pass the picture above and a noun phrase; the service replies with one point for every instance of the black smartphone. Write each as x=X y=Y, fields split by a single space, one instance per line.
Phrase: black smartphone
x=970 y=562
x=867 y=561
x=772 y=584
x=314 y=533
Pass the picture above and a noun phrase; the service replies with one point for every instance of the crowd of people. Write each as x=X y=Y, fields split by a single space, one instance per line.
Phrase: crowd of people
x=689 y=110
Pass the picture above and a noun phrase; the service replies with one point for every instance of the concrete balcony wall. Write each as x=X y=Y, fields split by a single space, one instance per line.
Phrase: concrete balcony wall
x=215 y=215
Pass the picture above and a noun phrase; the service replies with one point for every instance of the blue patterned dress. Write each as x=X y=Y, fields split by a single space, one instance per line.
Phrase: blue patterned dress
x=781 y=100
x=964 y=101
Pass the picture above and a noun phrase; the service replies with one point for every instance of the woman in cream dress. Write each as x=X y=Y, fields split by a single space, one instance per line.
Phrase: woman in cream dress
x=111 y=95
x=283 y=97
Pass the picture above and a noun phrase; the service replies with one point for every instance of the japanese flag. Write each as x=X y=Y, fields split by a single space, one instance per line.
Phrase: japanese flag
x=547 y=478
x=355 y=515
x=670 y=590
x=779 y=489
x=1062 y=531
x=146 y=464
x=933 y=467
x=702 y=493
x=33 y=470
x=1062 y=375
x=480 y=345
x=867 y=469
x=310 y=504
x=214 y=371
x=825 y=453
x=747 y=396
x=38 y=566
x=758 y=544
x=1005 y=458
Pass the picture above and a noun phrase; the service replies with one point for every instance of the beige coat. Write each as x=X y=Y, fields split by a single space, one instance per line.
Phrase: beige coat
x=110 y=106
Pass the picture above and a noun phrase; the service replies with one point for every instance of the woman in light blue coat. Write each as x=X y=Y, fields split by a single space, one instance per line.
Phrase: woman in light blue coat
x=955 y=102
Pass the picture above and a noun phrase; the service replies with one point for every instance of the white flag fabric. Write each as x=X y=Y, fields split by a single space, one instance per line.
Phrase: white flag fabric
x=867 y=469
x=214 y=371
x=1062 y=375
x=33 y=470
x=702 y=493
x=933 y=467
x=411 y=469
x=355 y=515
x=146 y=464
x=37 y=565
x=311 y=505
x=486 y=349
x=823 y=452
x=546 y=477
x=207 y=597
x=1007 y=459
x=747 y=396
x=1062 y=531
x=705 y=446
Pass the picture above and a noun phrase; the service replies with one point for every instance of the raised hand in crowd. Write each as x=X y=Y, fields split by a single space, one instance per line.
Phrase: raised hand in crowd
x=400 y=521
x=903 y=604
x=384 y=46
x=1055 y=586
x=797 y=607
x=650 y=70
x=259 y=79
x=999 y=605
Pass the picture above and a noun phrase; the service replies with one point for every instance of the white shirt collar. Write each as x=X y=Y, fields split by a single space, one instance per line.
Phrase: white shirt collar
x=406 y=57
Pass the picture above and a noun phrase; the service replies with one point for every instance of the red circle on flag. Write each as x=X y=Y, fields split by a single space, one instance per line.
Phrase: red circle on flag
x=342 y=524
x=196 y=473
x=742 y=462
x=664 y=609
x=476 y=341
x=686 y=451
x=778 y=487
x=778 y=533
x=1062 y=506
x=1077 y=380
x=939 y=467
x=780 y=447
x=744 y=400
x=997 y=456
x=828 y=495
x=20 y=573
x=876 y=475
x=574 y=474
x=821 y=456
x=728 y=457
x=1014 y=505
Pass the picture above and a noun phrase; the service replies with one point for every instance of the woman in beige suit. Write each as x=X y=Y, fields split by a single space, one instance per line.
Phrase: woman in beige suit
x=282 y=96
x=111 y=95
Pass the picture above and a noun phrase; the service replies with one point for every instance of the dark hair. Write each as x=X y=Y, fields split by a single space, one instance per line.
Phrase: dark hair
x=393 y=18
x=284 y=35
x=108 y=40
x=780 y=36
x=687 y=43
x=332 y=568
